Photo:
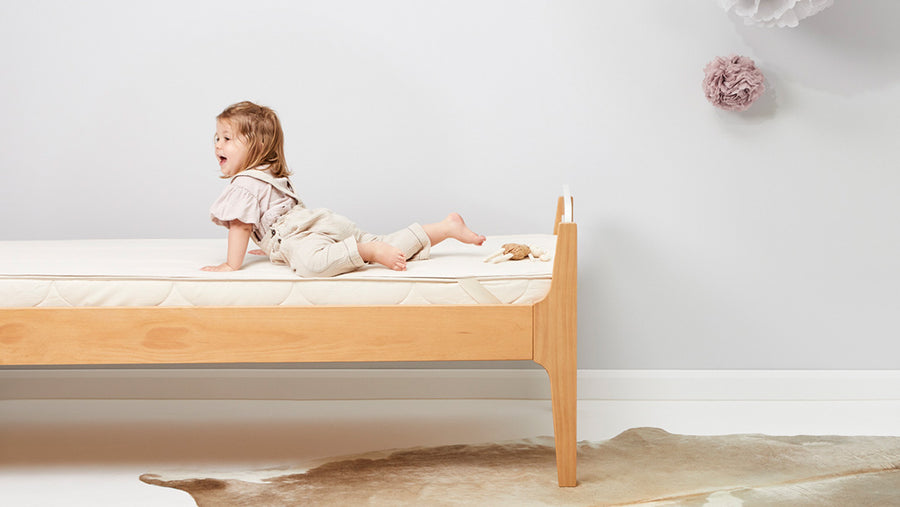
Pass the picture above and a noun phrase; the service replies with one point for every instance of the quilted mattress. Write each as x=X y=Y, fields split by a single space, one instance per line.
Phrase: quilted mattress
x=166 y=272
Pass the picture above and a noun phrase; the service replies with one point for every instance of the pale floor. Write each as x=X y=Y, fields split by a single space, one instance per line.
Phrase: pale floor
x=82 y=452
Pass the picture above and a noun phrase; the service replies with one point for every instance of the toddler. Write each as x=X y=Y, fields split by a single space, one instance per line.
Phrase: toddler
x=260 y=203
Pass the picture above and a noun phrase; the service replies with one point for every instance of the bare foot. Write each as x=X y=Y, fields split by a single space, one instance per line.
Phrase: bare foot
x=452 y=227
x=388 y=256
x=459 y=230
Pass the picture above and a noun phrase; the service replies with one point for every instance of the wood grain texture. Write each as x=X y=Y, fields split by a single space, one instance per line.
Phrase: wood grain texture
x=555 y=348
x=157 y=335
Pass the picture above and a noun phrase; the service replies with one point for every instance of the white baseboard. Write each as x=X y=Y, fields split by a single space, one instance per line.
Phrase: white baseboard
x=513 y=384
x=739 y=385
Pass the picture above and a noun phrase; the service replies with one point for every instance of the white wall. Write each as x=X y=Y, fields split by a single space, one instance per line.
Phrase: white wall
x=767 y=239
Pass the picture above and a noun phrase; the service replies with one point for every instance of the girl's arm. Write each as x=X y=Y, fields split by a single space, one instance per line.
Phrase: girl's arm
x=238 y=238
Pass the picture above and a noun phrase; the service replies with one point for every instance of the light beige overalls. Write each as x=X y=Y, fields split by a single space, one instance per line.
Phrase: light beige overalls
x=321 y=243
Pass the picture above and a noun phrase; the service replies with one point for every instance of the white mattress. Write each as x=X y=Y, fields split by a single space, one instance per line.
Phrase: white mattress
x=166 y=272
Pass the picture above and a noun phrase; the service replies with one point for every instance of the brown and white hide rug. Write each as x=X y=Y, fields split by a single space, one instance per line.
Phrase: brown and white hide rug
x=645 y=466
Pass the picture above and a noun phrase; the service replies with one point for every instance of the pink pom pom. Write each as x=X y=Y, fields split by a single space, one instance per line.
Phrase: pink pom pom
x=732 y=83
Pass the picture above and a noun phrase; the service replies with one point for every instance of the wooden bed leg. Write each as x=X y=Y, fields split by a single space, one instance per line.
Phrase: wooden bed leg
x=555 y=344
x=565 y=414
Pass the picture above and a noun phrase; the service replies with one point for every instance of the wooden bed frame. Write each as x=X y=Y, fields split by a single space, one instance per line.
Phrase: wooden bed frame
x=544 y=332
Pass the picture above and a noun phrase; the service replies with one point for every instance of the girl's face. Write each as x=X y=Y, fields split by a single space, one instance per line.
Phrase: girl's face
x=231 y=152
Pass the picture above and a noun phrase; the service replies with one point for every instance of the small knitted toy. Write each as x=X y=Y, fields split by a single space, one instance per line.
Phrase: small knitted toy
x=516 y=251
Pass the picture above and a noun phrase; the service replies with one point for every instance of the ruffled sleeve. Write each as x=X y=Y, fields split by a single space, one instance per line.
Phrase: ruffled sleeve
x=236 y=203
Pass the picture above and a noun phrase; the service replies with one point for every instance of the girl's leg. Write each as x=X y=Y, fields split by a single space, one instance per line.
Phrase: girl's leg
x=452 y=227
x=317 y=255
x=410 y=243
x=415 y=241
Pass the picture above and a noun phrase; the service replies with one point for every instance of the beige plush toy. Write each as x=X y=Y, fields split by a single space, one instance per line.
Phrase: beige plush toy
x=516 y=251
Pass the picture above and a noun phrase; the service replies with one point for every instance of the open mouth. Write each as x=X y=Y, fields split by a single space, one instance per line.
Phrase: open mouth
x=222 y=160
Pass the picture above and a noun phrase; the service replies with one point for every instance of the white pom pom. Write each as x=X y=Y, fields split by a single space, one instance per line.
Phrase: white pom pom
x=772 y=13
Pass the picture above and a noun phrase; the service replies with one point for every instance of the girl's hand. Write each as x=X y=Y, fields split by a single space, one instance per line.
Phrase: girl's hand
x=221 y=267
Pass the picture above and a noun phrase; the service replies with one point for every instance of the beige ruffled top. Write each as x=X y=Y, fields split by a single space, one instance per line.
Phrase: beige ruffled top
x=251 y=201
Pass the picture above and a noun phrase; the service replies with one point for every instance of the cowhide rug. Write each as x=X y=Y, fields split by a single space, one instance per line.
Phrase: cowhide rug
x=645 y=466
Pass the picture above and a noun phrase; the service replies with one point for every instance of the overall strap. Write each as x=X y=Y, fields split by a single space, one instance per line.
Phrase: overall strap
x=282 y=184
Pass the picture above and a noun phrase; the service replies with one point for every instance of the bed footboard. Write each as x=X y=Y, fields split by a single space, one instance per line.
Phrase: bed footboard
x=555 y=346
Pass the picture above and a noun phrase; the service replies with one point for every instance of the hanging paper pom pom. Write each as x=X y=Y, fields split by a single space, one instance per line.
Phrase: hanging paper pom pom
x=732 y=83
x=770 y=13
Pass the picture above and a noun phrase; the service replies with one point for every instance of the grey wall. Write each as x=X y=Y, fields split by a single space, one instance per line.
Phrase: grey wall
x=764 y=239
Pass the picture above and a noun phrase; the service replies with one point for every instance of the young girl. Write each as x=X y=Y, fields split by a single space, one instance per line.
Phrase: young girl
x=259 y=202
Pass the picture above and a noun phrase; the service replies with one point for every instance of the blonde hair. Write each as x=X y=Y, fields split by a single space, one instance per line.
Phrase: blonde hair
x=260 y=130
